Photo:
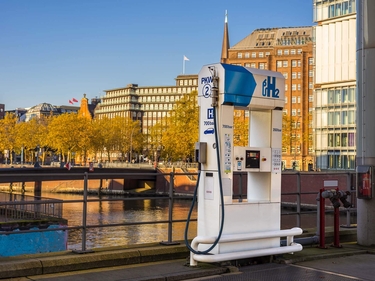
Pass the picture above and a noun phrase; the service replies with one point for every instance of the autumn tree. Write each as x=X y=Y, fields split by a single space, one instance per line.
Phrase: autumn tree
x=8 y=134
x=183 y=128
x=240 y=128
x=128 y=138
x=68 y=133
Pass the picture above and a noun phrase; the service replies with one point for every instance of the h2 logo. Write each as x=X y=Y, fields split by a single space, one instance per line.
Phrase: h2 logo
x=269 y=88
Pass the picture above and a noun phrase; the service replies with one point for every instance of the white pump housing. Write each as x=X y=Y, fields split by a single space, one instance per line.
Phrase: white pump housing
x=221 y=89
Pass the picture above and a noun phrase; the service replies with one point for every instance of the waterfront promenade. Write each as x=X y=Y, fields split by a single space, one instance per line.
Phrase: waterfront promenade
x=170 y=262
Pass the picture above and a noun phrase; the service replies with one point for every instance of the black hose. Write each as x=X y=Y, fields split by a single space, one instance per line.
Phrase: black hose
x=205 y=252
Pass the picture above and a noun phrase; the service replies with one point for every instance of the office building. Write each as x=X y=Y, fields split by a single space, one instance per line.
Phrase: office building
x=335 y=84
x=148 y=104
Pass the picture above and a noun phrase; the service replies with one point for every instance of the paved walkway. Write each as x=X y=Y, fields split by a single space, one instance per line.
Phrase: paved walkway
x=167 y=263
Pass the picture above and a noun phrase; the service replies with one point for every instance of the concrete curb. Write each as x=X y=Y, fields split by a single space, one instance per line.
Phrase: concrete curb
x=66 y=261
x=69 y=261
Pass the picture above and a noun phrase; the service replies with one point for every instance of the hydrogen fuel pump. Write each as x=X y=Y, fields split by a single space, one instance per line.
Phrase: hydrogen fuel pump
x=229 y=229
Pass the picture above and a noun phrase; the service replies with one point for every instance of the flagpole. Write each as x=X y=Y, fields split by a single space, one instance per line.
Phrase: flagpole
x=183 y=65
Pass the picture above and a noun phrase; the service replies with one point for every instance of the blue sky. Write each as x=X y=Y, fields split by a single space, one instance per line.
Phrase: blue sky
x=55 y=50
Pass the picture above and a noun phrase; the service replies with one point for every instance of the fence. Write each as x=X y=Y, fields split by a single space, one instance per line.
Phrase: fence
x=300 y=208
x=14 y=207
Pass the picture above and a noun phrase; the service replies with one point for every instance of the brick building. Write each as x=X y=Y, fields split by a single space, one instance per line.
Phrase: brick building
x=290 y=52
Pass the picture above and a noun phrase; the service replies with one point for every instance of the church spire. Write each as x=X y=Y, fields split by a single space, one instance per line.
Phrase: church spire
x=225 y=47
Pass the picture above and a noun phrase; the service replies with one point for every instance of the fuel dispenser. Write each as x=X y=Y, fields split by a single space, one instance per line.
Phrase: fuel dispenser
x=230 y=229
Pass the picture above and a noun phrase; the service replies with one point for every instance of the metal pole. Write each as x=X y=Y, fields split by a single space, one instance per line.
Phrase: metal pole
x=336 y=228
x=170 y=211
x=84 y=217
x=348 y=187
x=298 y=200
x=322 y=220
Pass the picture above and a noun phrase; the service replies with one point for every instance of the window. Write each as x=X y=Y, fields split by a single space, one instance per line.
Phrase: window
x=294 y=99
x=294 y=112
x=311 y=61
x=268 y=53
x=311 y=73
x=247 y=64
x=261 y=65
x=294 y=87
x=294 y=75
x=298 y=99
x=285 y=63
x=310 y=85
x=311 y=98
x=261 y=54
x=286 y=87
x=285 y=74
x=299 y=63
x=247 y=55
x=286 y=52
x=294 y=63
x=299 y=87
x=279 y=63
x=253 y=65
x=299 y=51
x=239 y=55
x=293 y=51
x=279 y=52
x=299 y=75
x=286 y=99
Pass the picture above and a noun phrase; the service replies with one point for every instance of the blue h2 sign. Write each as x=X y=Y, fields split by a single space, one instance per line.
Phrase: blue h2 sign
x=269 y=88
x=210 y=113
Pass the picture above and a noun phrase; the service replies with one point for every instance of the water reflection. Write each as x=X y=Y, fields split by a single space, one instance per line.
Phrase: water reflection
x=114 y=212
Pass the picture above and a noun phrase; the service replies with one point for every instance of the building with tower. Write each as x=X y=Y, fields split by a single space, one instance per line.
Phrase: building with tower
x=288 y=50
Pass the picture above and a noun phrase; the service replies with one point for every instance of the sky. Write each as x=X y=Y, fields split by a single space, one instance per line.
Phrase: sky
x=56 y=50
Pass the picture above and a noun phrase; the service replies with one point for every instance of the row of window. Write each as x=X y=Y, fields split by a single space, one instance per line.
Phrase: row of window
x=341 y=139
x=297 y=75
x=294 y=41
x=297 y=87
x=128 y=99
x=334 y=96
x=295 y=63
x=260 y=65
x=188 y=82
x=324 y=9
x=287 y=52
x=263 y=54
x=346 y=117
x=253 y=55
x=170 y=90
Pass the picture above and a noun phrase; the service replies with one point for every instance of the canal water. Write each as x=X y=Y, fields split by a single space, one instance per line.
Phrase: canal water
x=132 y=211
x=116 y=212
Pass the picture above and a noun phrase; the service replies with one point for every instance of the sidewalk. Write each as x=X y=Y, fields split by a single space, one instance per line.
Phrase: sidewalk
x=149 y=262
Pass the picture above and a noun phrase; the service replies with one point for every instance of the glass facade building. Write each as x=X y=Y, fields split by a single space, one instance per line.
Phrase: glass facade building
x=334 y=117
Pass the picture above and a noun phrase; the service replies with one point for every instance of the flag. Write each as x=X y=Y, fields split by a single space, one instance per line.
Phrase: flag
x=185 y=58
x=70 y=102
x=74 y=100
x=68 y=166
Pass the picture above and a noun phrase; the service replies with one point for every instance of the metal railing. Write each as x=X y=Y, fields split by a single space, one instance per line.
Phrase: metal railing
x=15 y=207
x=45 y=206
